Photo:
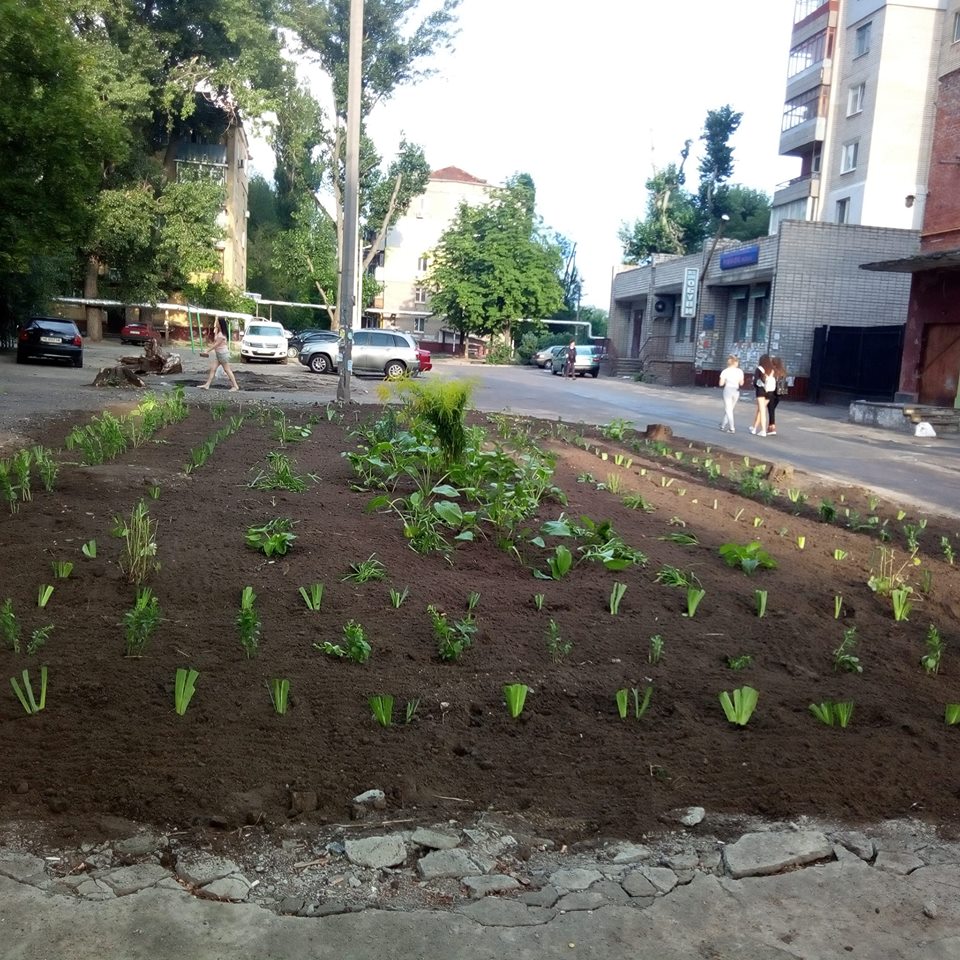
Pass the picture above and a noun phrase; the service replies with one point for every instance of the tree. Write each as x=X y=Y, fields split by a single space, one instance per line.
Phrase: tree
x=672 y=223
x=716 y=165
x=749 y=211
x=493 y=266
x=393 y=54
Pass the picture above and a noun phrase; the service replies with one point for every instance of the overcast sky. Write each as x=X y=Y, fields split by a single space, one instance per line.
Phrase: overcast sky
x=586 y=97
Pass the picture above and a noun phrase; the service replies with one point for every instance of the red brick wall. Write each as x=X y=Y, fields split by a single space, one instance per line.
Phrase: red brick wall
x=941 y=221
x=934 y=298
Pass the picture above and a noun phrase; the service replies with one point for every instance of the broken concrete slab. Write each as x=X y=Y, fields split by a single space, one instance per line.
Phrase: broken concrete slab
x=762 y=854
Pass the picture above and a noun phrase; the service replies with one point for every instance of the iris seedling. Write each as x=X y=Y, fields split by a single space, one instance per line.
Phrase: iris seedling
x=44 y=594
x=411 y=710
x=656 y=649
x=61 y=568
x=623 y=702
x=951 y=714
x=833 y=714
x=760 y=596
x=369 y=569
x=837 y=606
x=694 y=596
x=382 y=707
x=947 y=548
x=184 y=688
x=472 y=600
x=312 y=595
x=398 y=596
x=902 y=606
x=640 y=705
x=538 y=599
x=616 y=595
x=839 y=554
x=89 y=549
x=25 y=693
x=516 y=696
x=279 y=694
x=801 y=542
x=740 y=708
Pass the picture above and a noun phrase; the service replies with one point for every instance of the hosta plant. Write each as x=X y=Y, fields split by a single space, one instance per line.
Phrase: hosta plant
x=274 y=538
x=516 y=696
x=748 y=557
x=739 y=708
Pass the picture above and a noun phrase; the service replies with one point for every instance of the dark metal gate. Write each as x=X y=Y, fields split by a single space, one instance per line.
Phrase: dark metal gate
x=855 y=363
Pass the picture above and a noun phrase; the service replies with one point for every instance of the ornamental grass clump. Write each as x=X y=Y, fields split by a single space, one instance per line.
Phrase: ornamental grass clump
x=441 y=403
x=139 y=534
x=382 y=707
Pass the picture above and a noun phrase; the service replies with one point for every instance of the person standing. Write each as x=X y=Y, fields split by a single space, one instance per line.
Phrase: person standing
x=760 y=379
x=569 y=369
x=773 y=396
x=731 y=380
x=219 y=354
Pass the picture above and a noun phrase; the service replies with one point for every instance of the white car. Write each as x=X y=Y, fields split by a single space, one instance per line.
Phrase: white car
x=264 y=340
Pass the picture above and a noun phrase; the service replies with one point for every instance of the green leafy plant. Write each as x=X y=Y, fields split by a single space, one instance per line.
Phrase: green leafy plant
x=748 y=557
x=636 y=501
x=516 y=696
x=741 y=662
x=61 y=568
x=538 y=599
x=827 y=511
x=153 y=491
x=44 y=593
x=951 y=714
x=614 y=483
x=843 y=658
x=312 y=595
x=837 y=606
x=796 y=496
x=760 y=598
x=248 y=623
x=839 y=554
x=740 y=708
x=675 y=577
x=355 y=645
x=139 y=557
x=801 y=542
x=89 y=549
x=279 y=694
x=616 y=429
x=140 y=621
x=38 y=638
x=640 y=706
x=47 y=467
x=557 y=647
x=900 y=599
x=472 y=600
x=684 y=539
x=758 y=521
x=411 y=710
x=930 y=661
x=365 y=570
x=184 y=687
x=911 y=532
x=694 y=596
x=656 y=649
x=279 y=475
x=274 y=538
x=623 y=702
x=397 y=597
x=833 y=713
x=25 y=693
x=382 y=707
x=559 y=564
x=452 y=638
x=616 y=595
x=9 y=626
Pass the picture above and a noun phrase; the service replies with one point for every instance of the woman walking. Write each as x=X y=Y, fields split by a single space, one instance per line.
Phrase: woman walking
x=762 y=376
x=731 y=380
x=219 y=355
x=773 y=396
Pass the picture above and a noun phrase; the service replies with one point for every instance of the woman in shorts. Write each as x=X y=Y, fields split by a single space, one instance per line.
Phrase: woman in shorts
x=219 y=355
x=762 y=378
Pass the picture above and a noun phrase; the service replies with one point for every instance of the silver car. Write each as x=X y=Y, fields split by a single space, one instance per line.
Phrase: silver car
x=384 y=352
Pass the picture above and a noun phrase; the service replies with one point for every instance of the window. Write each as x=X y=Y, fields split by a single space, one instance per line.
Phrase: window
x=740 y=306
x=803 y=108
x=862 y=43
x=419 y=324
x=808 y=53
x=843 y=210
x=681 y=329
x=855 y=99
x=848 y=157
x=956 y=27
x=419 y=294
x=761 y=307
x=422 y=264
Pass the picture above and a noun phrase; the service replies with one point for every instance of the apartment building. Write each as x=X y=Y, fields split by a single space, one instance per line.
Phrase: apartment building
x=858 y=111
x=404 y=301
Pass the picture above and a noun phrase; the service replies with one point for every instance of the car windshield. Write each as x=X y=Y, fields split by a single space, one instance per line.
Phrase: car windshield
x=57 y=326
x=262 y=330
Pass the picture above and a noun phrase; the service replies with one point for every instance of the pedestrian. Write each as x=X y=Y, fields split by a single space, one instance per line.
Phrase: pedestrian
x=760 y=379
x=731 y=380
x=773 y=396
x=219 y=355
x=569 y=369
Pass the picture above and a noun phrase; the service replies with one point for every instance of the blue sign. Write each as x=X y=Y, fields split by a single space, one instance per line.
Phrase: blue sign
x=744 y=257
x=709 y=321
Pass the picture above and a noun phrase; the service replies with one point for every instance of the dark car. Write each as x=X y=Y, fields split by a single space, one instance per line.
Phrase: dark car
x=300 y=339
x=50 y=338
x=138 y=333
x=588 y=360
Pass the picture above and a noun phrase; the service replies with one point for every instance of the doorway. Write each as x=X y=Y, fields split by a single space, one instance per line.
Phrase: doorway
x=939 y=364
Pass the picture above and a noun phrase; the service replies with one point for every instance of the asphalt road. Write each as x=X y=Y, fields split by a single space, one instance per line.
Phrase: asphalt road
x=815 y=439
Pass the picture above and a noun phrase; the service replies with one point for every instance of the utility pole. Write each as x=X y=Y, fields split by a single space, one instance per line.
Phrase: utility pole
x=347 y=294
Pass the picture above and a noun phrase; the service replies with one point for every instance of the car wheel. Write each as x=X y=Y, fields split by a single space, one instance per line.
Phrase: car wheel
x=319 y=363
x=78 y=362
x=21 y=357
x=594 y=374
x=292 y=353
x=394 y=369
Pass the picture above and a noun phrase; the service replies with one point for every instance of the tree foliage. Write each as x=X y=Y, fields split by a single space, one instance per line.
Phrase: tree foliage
x=493 y=265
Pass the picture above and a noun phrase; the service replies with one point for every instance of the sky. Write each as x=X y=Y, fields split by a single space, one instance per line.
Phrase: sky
x=588 y=97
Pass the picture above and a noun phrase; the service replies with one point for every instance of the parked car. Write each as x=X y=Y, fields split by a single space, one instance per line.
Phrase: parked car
x=299 y=340
x=385 y=352
x=424 y=357
x=588 y=360
x=138 y=333
x=320 y=354
x=544 y=358
x=263 y=340
x=50 y=338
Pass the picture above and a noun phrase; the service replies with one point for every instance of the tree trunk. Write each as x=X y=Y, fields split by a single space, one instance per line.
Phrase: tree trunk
x=90 y=291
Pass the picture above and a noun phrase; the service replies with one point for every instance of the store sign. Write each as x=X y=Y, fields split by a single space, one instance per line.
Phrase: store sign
x=688 y=299
x=744 y=257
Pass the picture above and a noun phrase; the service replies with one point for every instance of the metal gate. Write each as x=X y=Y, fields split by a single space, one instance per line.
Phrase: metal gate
x=855 y=363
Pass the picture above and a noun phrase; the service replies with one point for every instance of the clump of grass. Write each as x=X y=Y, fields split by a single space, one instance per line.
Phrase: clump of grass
x=557 y=647
x=248 y=623
x=140 y=622
x=441 y=403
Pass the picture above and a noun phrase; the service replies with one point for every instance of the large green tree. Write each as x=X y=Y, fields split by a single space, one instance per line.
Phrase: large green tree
x=494 y=265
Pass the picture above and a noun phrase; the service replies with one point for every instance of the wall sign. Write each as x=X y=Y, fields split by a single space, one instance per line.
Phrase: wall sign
x=688 y=299
x=744 y=257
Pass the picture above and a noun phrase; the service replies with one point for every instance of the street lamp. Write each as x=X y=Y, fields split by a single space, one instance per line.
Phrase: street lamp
x=724 y=220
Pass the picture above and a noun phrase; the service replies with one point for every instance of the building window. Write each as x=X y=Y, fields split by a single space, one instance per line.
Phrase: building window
x=843 y=210
x=849 y=155
x=855 y=99
x=422 y=264
x=419 y=294
x=761 y=307
x=862 y=45
x=802 y=108
x=681 y=329
x=808 y=53
x=419 y=324
x=956 y=27
x=740 y=307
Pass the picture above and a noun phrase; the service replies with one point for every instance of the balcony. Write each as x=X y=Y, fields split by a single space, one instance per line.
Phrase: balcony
x=800 y=139
x=807 y=8
x=817 y=75
x=799 y=188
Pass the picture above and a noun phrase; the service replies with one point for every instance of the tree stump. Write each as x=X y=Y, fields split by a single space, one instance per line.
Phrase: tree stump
x=118 y=376
x=154 y=360
x=658 y=431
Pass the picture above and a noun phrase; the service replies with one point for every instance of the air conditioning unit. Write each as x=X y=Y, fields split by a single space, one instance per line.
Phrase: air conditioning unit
x=663 y=307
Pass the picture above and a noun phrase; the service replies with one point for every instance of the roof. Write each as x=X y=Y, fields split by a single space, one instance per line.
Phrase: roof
x=941 y=259
x=455 y=173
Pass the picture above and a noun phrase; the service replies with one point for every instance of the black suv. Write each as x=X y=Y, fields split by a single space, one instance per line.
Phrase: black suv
x=50 y=338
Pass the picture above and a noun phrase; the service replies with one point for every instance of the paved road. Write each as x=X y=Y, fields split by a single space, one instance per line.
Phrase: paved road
x=816 y=439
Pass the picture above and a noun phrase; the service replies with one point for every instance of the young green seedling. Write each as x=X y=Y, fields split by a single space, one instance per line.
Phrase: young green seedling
x=89 y=549
x=279 y=694
x=900 y=599
x=837 y=606
x=801 y=542
x=25 y=693
x=538 y=599
x=516 y=696
x=833 y=714
x=557 y=647
x=951 y=714
x=382 y=707
x=140 y=622
x=740 y=709
x=760 y=597
x=312 y=595
x=656 y=649
x=248 y=623
x=839 y=554
x=616 y=595
x=184 y=688
x=740 y=662
x=930 y=661
x=623 y=702
x=9 y=626
x=411 y=710
x=472 y=600
x=44 y=594
x=398 y=596
x=694 y=596
x=843 y=659
x=640 y=705
x=61 y=568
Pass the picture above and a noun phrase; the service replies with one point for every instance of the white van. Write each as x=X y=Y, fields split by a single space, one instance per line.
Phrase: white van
x=263 y=340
